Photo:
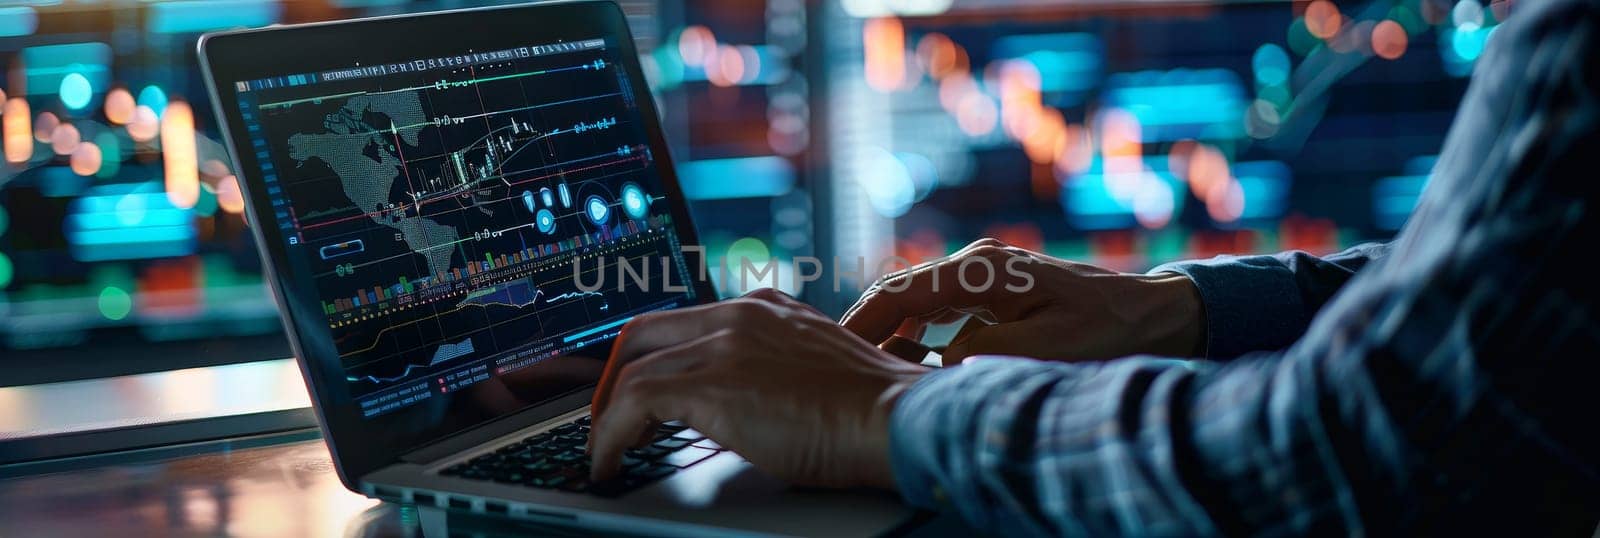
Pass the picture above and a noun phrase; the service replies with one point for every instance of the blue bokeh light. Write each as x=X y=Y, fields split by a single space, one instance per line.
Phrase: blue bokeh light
x=76 y=91
x=154 y=97
x=1270 y=64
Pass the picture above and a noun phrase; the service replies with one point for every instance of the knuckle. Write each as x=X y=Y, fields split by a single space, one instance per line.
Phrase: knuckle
x=988 y=242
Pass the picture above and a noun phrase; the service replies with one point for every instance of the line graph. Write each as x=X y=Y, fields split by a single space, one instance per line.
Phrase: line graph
x=437 y=213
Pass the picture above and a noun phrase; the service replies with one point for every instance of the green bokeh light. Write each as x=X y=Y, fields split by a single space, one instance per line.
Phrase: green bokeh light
x=748 y=248
x=1300 y=39
x=5 y=271
x=115 y=303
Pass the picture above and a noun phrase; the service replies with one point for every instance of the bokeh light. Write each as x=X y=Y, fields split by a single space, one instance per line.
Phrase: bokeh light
x=155 y=98
x=6 y=270
x=1467 y=12
x=1154 y=203
x=145 y=124
x=228 y=196
x=1225 y=201
x=976 y=114
x=119 y=106
x=65 y=139
x=115 y=303
x=110 y=147
x=1389 y=40
x=44 y=126
x=727 y=67
x=75 y=91
x=884 y=53
x=696 y=44
x=1467 y=41
x=887 y=183
x=940 y=55
x=1270 y=65
x=17 y=130
x=86 y=159
x=178 y=155
x=1323 y=19
x=1300 y=39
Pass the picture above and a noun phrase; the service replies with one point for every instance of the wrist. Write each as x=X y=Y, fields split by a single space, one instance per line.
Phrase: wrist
x=1173 y=316
x=877 y=469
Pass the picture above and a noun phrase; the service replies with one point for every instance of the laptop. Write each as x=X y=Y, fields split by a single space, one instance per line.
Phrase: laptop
x=442 y=202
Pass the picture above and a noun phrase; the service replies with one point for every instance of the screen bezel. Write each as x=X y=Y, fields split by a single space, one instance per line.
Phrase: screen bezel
x=254 y=54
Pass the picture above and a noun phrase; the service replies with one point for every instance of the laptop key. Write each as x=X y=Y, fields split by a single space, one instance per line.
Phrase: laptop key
x=650 y=474
x=651 y=452
x=688 y=456
x=672 y=443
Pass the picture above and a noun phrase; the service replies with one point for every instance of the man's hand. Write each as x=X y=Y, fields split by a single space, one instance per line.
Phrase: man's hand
x=763 y=375
x=1035 y=306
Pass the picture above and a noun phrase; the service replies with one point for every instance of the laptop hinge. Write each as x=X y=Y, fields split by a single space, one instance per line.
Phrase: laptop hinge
x=453 y=444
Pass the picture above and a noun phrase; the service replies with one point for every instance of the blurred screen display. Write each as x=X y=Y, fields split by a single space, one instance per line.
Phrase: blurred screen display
x=1133 y=133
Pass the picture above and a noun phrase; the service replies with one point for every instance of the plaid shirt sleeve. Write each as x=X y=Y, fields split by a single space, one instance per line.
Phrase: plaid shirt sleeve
x=1263 y=303
x=1447 y=389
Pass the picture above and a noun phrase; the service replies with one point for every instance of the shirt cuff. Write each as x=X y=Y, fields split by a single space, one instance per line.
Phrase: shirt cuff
x=1251 y=303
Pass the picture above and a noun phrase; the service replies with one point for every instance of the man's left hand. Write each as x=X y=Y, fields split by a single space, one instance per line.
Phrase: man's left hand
x=764 y=375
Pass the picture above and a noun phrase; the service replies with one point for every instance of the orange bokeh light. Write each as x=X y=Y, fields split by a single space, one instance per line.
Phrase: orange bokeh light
x=1207 y=168
x=1075 y=151
x=941 y=55
x=145 y=125
x=44 y=127
x=64 y=140
x=1389 y=40
x=884 y=52
x=228 y=196
x=178 y=154
x=696 y=45
x=726 y=67
x=119 y=106
x=976 y=114
x=1323 y=19
x=18 y=130
x=85 y=160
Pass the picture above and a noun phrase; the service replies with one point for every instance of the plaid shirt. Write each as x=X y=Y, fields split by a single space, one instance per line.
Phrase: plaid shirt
x=1442 y=384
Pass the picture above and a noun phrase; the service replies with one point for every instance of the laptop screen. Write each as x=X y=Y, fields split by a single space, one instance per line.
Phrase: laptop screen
x=462 y=219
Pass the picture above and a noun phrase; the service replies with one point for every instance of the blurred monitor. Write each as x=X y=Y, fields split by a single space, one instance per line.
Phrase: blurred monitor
x=1133 y=133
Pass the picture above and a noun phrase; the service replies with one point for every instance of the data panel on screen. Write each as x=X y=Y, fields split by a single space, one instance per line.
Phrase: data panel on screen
x=440 y=205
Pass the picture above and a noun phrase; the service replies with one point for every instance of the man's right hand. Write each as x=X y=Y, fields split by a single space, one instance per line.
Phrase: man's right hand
x=1035 y=306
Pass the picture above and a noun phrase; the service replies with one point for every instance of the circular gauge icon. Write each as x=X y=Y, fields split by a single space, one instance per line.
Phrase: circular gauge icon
x=596 y=208
x=545 y=220
x=634 y=201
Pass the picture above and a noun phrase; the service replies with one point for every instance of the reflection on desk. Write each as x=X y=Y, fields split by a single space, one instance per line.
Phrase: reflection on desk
x=284 y=490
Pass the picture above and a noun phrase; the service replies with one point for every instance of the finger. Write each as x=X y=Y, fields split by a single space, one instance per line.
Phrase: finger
x=878 y=314
x=659 y=330
x=666 y=363
x=877 y=286
x=650 y=390
x=639 y=403
x=1027 y=338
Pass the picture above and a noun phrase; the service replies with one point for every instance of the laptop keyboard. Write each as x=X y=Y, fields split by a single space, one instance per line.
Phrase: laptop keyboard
x=557 y=459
